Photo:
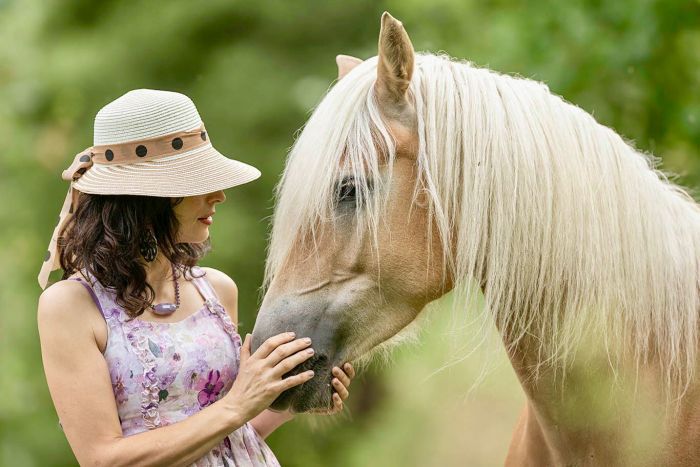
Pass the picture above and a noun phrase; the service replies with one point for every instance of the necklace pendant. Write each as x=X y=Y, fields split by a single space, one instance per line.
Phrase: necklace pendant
x=164 y=309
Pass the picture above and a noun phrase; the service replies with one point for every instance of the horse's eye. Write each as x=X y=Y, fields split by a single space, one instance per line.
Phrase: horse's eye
x=345 y=191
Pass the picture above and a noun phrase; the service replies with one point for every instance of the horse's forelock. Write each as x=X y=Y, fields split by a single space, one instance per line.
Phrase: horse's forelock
x=345 y=136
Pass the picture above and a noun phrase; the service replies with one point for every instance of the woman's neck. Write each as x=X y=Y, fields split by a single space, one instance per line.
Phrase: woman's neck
x=159 y=272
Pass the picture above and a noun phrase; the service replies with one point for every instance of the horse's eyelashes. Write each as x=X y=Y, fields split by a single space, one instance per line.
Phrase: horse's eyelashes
x=346 y=190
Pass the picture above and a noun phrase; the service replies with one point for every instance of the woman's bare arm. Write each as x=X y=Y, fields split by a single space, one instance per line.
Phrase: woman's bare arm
x=81 y=389
x=268 y=421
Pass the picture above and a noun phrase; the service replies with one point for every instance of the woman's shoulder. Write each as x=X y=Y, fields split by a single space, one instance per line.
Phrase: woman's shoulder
x=219 y=279
x=64 y=294
x=67 y=303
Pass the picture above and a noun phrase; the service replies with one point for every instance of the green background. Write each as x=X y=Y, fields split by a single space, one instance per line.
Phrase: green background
x=255 y=70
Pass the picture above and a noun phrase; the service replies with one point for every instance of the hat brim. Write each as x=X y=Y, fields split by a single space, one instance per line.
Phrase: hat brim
x=197 y=172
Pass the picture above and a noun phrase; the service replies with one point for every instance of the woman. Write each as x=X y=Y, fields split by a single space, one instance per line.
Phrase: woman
x=139 y=345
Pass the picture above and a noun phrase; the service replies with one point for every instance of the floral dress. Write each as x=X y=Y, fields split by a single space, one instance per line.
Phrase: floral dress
x=164 y=372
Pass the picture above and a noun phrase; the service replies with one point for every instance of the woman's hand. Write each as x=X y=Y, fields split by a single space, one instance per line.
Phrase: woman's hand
x=259 y=379
x=341 y=383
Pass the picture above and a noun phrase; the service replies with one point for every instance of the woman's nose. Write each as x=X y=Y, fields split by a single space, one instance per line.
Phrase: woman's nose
x=217 y=197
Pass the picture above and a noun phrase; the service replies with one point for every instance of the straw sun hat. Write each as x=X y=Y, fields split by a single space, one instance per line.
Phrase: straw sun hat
x=149 y=143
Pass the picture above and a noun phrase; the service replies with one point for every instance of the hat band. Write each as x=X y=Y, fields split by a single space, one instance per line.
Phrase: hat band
x=112 y=154
x=151 y=148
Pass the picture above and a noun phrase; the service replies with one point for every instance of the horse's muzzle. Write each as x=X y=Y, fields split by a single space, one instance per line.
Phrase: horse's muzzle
x=306 y=320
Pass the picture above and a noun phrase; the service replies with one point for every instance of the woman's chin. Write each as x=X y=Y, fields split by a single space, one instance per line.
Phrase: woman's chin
x=198 y=238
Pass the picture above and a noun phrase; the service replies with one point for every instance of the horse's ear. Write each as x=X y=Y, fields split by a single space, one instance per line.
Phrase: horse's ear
x=395 y=61
x=345 y=64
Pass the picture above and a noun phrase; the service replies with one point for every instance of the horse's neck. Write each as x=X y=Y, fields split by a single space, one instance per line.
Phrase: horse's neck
x=603 y=413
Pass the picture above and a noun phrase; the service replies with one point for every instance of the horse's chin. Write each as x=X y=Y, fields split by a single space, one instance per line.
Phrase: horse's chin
x=317 y=393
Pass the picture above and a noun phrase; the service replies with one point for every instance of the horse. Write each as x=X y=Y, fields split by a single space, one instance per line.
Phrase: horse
x=418 y=174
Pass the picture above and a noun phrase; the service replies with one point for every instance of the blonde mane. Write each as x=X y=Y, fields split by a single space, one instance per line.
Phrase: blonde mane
x=571 y=230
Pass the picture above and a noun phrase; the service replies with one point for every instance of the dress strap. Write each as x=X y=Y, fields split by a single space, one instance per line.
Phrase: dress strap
x=205 y=289
x=211 y=300
x=91 y=290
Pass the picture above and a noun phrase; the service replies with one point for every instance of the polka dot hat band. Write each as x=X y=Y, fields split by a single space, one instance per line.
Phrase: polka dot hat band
x=148 y=143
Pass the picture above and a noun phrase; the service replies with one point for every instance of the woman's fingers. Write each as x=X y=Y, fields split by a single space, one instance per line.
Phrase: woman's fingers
x=337 y=403
x=272 y=343
x=245 y=349
x=289 y=363
x=349 y=370
x=342 y=376
x=340 y=389
x=285 y=350
x=296 y=380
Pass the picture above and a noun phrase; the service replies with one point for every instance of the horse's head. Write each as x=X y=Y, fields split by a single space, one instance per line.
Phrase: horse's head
x=351 y=261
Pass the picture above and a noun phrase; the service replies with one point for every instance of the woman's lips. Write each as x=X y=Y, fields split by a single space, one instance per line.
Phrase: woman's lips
x=206 y=220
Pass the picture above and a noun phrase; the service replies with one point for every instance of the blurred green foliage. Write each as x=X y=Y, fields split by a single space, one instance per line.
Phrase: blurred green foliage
x=255 y=70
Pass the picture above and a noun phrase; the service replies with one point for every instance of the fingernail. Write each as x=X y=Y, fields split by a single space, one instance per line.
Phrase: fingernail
x=309 y=351
x=291 y=334
x=307 y=340
x=310 y=373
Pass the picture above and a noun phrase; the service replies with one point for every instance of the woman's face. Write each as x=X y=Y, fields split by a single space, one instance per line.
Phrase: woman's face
x=195 y=216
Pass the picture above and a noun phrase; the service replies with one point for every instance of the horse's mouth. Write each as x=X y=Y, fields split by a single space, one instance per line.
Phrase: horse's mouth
x=314 y=394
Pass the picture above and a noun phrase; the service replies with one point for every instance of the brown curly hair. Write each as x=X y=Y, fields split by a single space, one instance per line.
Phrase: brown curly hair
x=103 y=237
